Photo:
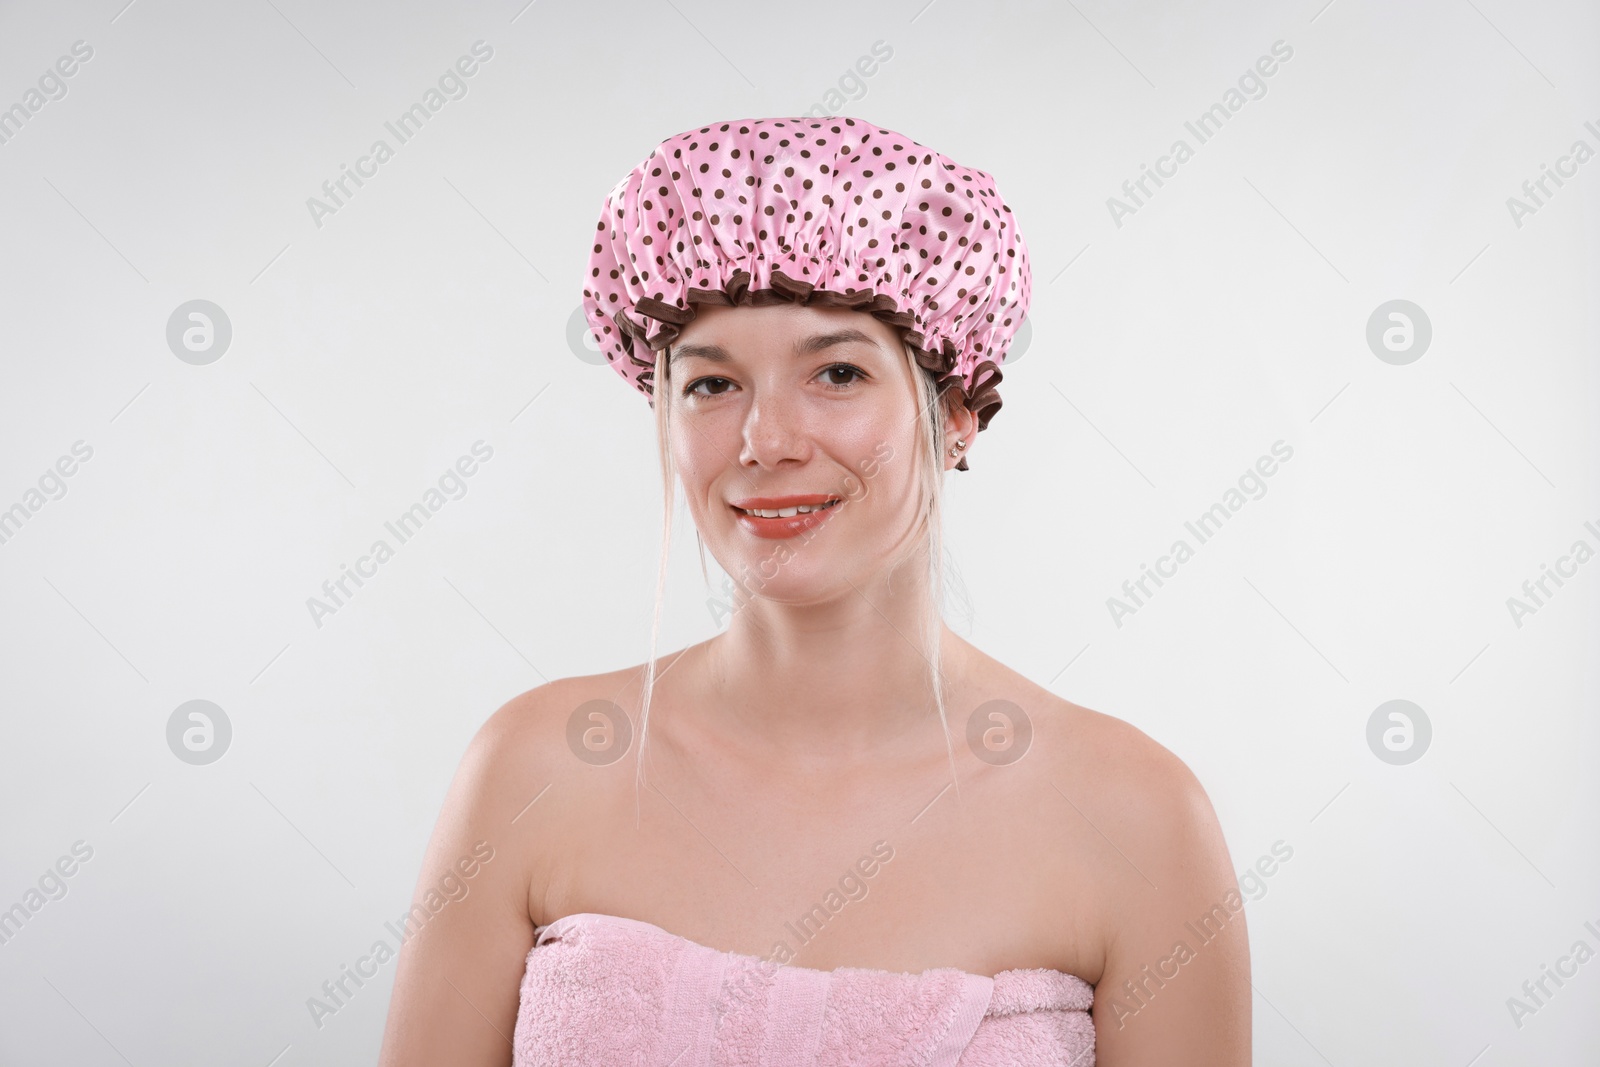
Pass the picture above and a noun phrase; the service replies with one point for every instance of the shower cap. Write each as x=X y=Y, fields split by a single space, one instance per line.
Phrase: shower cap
x=832 y=212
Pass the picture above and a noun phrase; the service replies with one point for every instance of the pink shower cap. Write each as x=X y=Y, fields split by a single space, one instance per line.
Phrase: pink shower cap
x=833 y=212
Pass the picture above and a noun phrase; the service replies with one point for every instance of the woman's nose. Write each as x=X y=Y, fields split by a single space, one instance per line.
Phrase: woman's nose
x=774 y=431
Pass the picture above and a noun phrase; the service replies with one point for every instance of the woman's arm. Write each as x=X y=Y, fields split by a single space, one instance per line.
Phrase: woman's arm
x=456 y=988
x=1176 y=987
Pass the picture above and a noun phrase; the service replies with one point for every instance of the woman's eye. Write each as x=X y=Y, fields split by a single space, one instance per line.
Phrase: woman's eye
x=855 y=372
x=697 y=383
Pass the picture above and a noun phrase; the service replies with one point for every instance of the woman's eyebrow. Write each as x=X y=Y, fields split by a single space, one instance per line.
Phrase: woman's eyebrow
x=819 y=341
x=816 y=342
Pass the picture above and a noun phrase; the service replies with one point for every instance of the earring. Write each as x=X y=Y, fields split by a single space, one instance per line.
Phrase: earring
x=960 y=444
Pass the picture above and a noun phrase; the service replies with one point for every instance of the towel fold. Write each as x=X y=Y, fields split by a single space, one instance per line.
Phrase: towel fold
x=602 y=989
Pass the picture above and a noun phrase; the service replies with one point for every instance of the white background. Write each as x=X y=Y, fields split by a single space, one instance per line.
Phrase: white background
x=1166 y=355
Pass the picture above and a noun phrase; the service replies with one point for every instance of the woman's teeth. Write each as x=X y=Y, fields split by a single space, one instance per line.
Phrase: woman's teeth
x=786 y=512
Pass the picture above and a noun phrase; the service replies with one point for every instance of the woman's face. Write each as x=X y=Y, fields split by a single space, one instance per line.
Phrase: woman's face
x=781 y=406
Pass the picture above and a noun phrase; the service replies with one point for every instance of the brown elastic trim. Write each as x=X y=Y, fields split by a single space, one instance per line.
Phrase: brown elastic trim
x=983 y=400
x=664 y=312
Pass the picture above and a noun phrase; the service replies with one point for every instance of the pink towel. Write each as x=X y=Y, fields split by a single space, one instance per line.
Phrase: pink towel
x=602 y=989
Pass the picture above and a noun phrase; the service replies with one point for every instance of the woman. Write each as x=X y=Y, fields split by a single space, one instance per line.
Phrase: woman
x=858 y=839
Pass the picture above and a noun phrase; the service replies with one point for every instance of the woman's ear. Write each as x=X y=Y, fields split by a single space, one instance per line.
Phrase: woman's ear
x=960 y=430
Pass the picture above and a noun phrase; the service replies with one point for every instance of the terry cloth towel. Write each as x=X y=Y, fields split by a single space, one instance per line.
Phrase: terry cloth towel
x=602 y=989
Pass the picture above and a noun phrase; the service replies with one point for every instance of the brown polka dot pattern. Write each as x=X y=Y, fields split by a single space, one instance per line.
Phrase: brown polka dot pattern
x=829 y=212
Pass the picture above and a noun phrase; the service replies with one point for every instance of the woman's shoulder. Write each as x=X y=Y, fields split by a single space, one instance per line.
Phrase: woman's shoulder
x=1141 y=810
x=538 y=721
x=1115 y=782
x=1113 y=756
x=1088 y=747
x=1126 y=837
x=1160 y=890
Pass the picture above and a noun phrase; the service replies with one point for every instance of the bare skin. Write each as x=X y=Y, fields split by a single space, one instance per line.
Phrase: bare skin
x=779 y=752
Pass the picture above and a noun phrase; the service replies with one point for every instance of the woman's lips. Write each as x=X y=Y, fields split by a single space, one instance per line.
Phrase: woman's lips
x=790 y=526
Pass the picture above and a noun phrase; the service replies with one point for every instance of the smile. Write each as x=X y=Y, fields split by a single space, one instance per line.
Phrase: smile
x=778 y=518
x=784 y=513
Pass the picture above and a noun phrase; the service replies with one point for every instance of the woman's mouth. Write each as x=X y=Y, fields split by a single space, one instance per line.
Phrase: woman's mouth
x=776 y=518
